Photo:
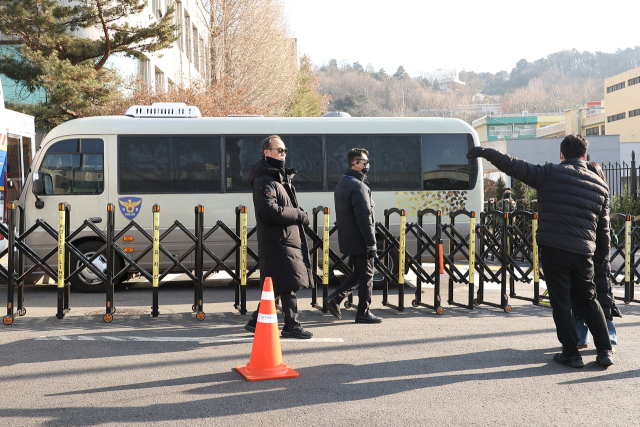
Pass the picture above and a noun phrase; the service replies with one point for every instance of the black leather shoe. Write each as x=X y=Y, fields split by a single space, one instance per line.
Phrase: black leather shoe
x=368 y=318
x=574 y=362
x=605 y=358
x=299 y=333
x=333 y=306
x=251 y=326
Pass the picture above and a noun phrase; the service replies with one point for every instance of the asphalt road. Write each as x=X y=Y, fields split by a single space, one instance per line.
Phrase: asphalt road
x=463 y=368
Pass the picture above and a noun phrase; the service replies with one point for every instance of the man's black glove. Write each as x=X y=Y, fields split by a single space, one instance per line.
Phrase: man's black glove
x=475 y=152
x=371 y=251
x=303 y=217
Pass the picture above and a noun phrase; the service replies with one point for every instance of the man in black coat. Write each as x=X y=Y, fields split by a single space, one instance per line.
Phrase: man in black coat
x=282 y=245
x=574 y=227
x=356 y=236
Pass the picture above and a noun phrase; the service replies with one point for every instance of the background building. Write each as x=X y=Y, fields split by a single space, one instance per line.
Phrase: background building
x=513 y=126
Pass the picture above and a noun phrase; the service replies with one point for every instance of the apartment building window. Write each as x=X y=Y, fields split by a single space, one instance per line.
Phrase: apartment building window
x=615 y=87
x=634 y=113
x=203 y=59
x=187 y=35
x=196 y=50
x=616 y=117
x=634 y=81
x=178 y=21
x=156 y=8
x=602 y=130
x=500 y=130
x=159 y=80
x=525 y=129
x=592 y=131
x=143 y=70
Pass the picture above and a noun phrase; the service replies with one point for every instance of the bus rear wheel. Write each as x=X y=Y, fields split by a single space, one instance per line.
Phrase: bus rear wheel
x=87 y=281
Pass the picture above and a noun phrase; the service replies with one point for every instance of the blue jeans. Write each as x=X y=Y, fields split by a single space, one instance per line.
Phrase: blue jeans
x=583 y=332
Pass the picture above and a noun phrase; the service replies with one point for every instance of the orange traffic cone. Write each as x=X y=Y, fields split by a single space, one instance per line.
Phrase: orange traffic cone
x=266 y=355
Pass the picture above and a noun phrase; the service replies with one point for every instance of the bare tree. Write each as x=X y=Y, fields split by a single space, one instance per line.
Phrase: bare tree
x=250 y=50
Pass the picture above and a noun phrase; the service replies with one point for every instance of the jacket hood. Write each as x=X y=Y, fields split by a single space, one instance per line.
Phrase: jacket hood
x=261 y=167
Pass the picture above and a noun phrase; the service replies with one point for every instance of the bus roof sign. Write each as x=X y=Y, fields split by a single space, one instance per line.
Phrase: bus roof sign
x=164 y=109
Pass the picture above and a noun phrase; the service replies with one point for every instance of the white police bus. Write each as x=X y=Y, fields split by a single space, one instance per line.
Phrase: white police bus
x=167 y=154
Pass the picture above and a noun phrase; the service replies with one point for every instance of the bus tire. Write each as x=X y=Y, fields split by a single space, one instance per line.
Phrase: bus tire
x=87 y=281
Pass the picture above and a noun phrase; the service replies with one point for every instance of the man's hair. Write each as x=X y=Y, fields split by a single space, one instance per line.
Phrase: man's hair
x=354 y=153
x=266 y=143
x=507 y=189
x=574 y=145
x=595 y=167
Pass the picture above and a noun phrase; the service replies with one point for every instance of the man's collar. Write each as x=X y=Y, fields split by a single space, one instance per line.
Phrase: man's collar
x=574 y=161
x=354 y=173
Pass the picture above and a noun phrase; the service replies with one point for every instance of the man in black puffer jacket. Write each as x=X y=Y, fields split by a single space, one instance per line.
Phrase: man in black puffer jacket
x=282 y=245
x=356 y=236
x=574 y=227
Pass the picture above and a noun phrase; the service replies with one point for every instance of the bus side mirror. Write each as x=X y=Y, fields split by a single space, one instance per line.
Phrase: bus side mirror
x=38 y=187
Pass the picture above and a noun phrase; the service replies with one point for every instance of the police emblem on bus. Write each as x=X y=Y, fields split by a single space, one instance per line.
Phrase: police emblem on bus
x=130 y=206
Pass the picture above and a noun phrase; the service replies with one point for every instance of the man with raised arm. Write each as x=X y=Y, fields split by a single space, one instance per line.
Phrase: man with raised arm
x=573 y=229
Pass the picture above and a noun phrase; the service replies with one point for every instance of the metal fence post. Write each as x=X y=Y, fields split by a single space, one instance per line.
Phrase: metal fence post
x=472 y=257
x=536 y=268
x=110 y=309
x=504 y=299
x=67 y=258
x=243 y=260
x=21 y=229
x=325 y=260
x=627 y=260
x=401 y=258
x=199 y=292
x=11 y=223
x=237 y=285
x=61 y=259
x=156 y=259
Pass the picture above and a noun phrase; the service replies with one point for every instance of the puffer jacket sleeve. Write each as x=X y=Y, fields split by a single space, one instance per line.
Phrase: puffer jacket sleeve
x=266 y=204
x=362 y=212
x=532 y=175
x=603 y=238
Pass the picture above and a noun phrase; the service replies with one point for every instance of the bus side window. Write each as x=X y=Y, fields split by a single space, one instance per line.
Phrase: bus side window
x=74 y=166
x=444 y=162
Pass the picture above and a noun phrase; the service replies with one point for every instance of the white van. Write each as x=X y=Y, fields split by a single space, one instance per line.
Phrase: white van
x=167 y=154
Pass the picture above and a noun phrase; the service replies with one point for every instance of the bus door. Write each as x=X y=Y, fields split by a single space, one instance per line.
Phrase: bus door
x=18 y=161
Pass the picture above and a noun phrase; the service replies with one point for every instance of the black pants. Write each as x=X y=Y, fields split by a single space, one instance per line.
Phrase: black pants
x=289 y=302
x=362 y=279
x=568 y=274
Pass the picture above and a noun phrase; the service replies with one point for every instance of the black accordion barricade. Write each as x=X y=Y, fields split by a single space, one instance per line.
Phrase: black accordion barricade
x=522 y=253
x=465 y=246
x=433 y=246
x=629 y=234
x=495 y=244
x=383 y=262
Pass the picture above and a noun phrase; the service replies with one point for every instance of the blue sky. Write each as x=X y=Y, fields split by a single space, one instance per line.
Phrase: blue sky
x=425 y=35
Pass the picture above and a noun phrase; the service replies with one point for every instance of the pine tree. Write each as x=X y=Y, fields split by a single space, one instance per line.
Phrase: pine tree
x=307 y=101
x=518 y=190
x=500 y=186
x=68 y=69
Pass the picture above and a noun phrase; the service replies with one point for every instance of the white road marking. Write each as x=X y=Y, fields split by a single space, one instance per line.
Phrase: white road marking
x=197 y=340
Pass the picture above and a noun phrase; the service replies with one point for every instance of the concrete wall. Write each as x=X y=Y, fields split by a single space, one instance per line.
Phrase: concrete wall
x=540 y=150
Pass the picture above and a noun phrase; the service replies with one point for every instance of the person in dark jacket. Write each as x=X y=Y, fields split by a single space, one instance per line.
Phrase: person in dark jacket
x=602 y=271
x=282 y=244
x=356 y=236
x=573 y=207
